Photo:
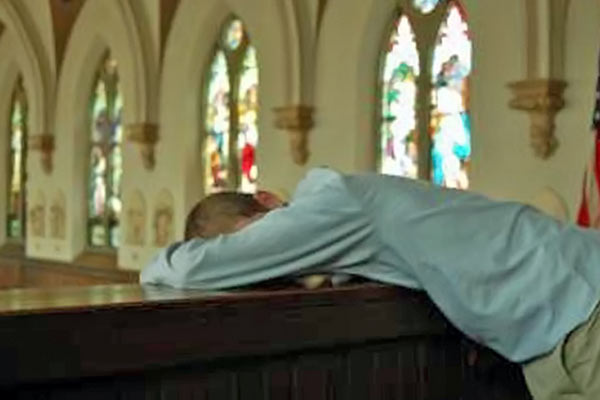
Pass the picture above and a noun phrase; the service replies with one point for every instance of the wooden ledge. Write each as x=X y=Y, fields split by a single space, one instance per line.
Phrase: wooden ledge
x=99 y=331
x=13 y=250
x=97 y=259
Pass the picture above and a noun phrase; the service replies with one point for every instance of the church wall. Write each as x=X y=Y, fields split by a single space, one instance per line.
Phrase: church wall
x=37 y=15
x=504 y=165
x=574 y=122
x=100 y=26
x=339 y=80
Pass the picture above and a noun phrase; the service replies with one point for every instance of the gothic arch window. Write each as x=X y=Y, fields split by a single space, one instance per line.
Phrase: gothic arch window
x=105 y=157
x=16 y=206
x=230 y=114
x=425 y=129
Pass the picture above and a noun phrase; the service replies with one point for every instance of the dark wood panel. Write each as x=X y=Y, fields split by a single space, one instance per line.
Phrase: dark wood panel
x=126 y=336
x=128 y=342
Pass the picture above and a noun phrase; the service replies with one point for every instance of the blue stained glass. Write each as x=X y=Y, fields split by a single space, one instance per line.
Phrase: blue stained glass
x=450 y=120
x=234 y=34
x=426 y=6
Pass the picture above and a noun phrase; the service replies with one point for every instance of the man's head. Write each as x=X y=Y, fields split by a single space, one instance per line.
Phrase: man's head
x=227 y=212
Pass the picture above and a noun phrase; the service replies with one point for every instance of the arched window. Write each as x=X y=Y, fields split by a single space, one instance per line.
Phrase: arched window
x=230 y=116
x=16 y=206
x=105 y=157
x=425 y=127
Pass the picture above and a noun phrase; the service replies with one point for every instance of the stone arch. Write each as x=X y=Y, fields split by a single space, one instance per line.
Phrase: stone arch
x=34 y=64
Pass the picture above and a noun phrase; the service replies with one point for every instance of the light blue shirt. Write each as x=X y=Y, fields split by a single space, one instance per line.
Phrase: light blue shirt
x=505 y=274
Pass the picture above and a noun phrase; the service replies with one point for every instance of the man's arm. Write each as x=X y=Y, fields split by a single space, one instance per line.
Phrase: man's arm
x=322 y=231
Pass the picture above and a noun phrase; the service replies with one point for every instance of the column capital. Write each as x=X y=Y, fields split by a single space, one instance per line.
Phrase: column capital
x=145 y=135
x=297 y=120
x=44 y=143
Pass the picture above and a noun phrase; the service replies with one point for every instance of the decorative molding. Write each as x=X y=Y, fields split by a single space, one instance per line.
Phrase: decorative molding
x=37 y=216
x=542 y=99
x=297 y=120
x=135 y=227
x=58 y=216
x=44 y=143
x=541 y=92
x=163 y=219
x=145 y=135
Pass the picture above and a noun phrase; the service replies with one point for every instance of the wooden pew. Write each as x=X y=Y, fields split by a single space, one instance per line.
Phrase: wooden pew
x=130 y=342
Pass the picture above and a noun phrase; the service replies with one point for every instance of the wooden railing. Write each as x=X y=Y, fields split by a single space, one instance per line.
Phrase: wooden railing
x=132 y=342
x=18 y=271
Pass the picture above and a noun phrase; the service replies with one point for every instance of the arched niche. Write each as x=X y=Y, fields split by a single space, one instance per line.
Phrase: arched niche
x=9 y=73
x=351 y=39
x=102 y=26
x=188 y=52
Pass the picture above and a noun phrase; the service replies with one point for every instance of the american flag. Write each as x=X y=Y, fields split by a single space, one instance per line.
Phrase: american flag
x=589 y=210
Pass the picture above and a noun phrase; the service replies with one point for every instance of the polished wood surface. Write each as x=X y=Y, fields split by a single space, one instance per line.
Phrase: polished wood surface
x=17 y=271
x=125 y=341
x=129 y=328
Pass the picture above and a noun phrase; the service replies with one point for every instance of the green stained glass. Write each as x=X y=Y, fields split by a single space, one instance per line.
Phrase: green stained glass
x=450 y=120
x=106 y=166
x=248 y=129
x=16 y=169
x=398 y=136
x=426 y=6
x=217 y=126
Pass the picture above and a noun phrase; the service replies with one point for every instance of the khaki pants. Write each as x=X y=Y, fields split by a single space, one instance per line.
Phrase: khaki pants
x=572 y=370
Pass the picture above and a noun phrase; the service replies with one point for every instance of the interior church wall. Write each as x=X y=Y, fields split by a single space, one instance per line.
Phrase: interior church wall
x=504 y=164
x=328 y=61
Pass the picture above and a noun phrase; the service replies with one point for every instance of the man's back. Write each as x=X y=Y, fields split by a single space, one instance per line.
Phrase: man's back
x=505 y=274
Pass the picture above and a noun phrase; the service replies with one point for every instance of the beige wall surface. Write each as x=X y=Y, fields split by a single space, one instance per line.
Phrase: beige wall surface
x=329 y=61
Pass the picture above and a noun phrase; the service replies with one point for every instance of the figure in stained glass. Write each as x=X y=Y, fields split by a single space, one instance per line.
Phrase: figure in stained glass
x=231 y=113
x=248 y=115
x=398 y=138
x=450 y=122
x=106 y=164
x=17 y=161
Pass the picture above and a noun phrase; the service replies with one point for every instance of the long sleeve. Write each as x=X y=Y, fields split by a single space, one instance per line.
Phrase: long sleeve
x=324 y=229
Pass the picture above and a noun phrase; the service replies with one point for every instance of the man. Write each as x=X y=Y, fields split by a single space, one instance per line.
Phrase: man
x=505 y=274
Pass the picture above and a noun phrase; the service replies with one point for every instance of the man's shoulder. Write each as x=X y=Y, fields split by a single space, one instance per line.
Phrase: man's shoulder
x=318 y=179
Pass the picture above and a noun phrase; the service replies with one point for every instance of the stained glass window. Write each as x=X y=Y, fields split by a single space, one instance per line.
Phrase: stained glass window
x=425 y=129
x=450 y=121
x=217 y=124
x=398 y=138
x=231 y=113
x=15 y=229
x=425 y=6
x=106 y=167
